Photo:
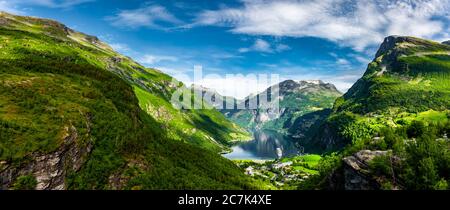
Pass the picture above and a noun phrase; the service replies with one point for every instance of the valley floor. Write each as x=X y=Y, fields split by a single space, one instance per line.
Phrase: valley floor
x=282 y=174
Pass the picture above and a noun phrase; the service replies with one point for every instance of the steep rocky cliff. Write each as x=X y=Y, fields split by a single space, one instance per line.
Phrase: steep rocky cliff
x=408 y=78
x=49 y=169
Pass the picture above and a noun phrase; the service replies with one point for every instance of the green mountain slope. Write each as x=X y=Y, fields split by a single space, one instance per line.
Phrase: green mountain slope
x=153 y=88
x=408 y=80
x=71 y=118
x=391 y=128
x=296 y=99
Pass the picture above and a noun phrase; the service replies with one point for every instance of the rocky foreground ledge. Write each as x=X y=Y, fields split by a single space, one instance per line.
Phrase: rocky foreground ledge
x=355 y=173
x=356 y=170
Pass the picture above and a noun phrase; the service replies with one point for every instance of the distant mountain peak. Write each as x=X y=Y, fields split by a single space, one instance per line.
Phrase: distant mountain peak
x=400 y=44
x=446 y=42
x=289 y=86
x=303 y=82
x=198 y=86
x=317 y=82
x=391 y=42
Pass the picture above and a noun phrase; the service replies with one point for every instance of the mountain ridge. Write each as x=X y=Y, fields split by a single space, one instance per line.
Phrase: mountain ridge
x=76 y=115
x=296 y=98
x=408 y=75
x=390 y=130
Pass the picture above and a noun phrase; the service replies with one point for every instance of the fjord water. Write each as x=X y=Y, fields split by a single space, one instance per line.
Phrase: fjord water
x=266 y=145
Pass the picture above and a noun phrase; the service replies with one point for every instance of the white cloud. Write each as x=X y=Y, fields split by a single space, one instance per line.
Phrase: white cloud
x=358 y=24
x=19 y=6
x=238 y=86
x=119 y=47
x=57 y=3
x=225 y=55
x=282 y=47
x=7 y=6
x=342 y=61
x=361 y=59
x=154 y=59
x=50 y=3
x=261 y=45
x=178 y=72
x=148 y=16
x=241 y=86
x=343 y=81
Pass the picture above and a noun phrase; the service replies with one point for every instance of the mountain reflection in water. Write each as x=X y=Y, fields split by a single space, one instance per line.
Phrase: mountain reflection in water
x=266 y=145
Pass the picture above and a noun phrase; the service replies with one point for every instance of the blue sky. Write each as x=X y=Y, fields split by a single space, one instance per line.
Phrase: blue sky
x=331 y=40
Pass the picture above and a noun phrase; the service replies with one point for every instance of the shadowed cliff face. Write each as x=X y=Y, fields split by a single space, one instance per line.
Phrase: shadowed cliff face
x=49 y=170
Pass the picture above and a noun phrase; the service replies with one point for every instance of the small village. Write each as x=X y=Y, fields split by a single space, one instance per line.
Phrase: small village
x=283 y=173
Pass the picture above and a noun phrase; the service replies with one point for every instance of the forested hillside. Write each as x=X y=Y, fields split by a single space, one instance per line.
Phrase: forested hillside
x=76 y=115
x=400 y=106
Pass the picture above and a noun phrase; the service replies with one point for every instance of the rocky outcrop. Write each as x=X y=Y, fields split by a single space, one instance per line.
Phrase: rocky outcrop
x=3 y=20
x=356 y=172
x=49 y=169
x=390 y=43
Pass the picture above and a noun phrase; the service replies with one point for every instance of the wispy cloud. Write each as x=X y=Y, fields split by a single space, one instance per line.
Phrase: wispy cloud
x=358 y=24
x=18 y=6
x=261 y=45
x=8 y=6
x=225 y=55
x=240 y=86
x=361 y=59
x=282 y=47
x=342 y=61
x=148 y=16
x=50 y=3
x=120 y=47
x=56 y=3
x=154 y=59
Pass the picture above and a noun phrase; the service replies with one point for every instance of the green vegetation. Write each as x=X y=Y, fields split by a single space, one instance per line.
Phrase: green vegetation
x=401 y=104
x=25 y=183
x=307 y=163
x=424 y=160
x=52 y=78
x=419 y=158
x=299 y=104
x=285 y=174
x=409 y=81
x=208 y=129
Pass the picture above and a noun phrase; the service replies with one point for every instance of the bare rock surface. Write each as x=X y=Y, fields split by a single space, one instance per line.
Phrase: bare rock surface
x=49 y=169
x=356 y=170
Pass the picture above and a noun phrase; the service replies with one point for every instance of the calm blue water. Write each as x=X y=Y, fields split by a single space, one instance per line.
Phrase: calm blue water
x=266 y=145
